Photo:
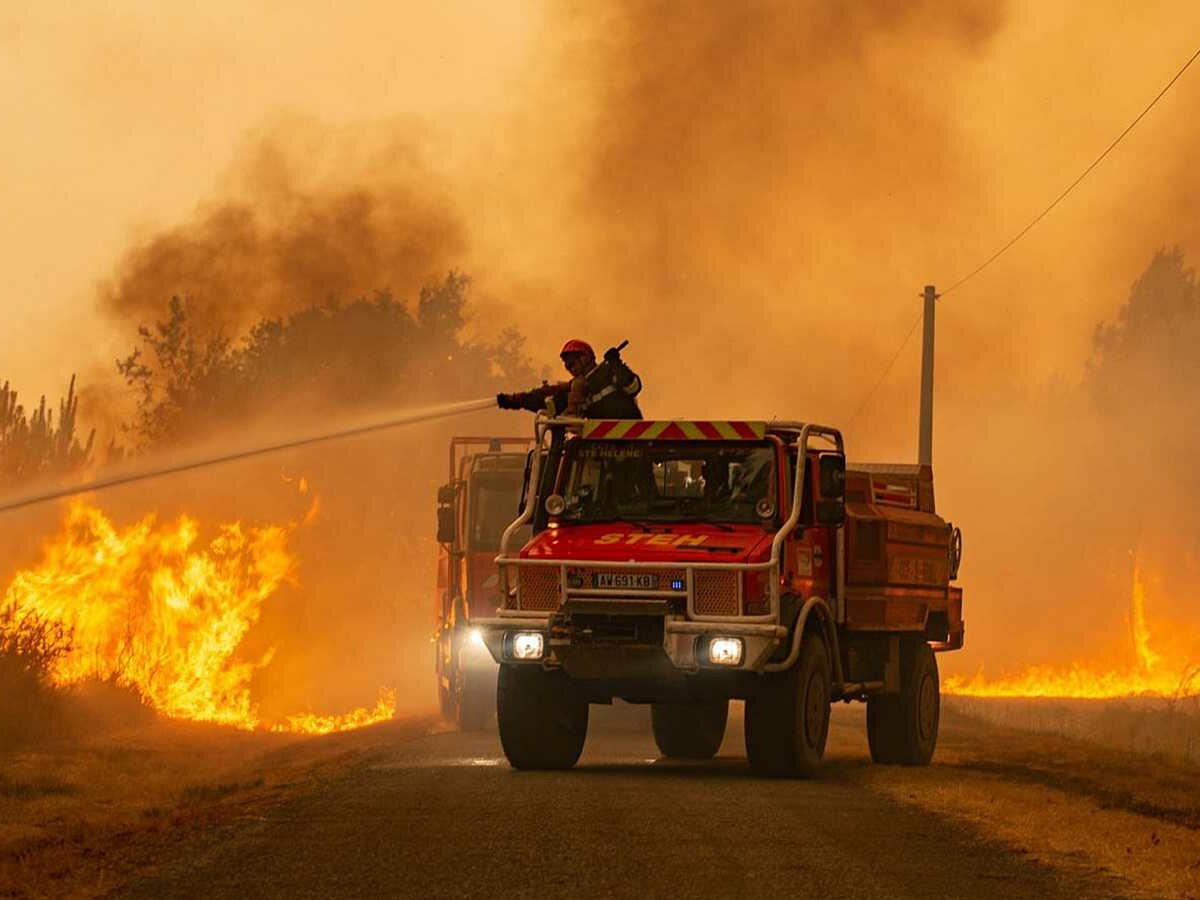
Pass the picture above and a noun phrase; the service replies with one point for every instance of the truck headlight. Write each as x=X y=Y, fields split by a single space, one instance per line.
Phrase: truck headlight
x=527 y=645
x=475 y=638
x=725 y=651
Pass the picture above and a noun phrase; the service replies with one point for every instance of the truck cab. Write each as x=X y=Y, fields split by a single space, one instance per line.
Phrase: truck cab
x=687 y=563
x=474 y=507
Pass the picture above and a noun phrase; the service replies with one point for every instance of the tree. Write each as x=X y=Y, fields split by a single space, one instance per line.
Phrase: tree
x=347 y=357
x=33 y=445
x=1146 y=360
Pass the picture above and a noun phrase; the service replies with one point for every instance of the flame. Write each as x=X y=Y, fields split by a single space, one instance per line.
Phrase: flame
x=1149 y=673
x=1147 y=658
x=309 y=723
x=153 y=608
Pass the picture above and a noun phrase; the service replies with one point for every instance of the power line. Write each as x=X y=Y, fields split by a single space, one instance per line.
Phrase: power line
x=1074 y=184
x=883 y=377
x=1029 y=227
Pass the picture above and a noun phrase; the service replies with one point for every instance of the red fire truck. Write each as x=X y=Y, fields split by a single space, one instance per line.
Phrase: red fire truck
x=684 y=564
x=474 y=508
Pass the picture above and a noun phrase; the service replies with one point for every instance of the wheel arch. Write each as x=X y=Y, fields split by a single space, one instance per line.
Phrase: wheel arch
x=815 y=617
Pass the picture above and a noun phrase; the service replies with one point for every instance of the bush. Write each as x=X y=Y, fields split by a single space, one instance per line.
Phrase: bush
x=29 y=703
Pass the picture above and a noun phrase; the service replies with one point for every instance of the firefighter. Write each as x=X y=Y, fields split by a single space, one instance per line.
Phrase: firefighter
x=604 y=390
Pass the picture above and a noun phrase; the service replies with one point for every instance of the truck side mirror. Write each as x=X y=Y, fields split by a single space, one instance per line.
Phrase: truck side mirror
x=447 y=525
x=833 y=475
x=831 y=507
x=446 y=529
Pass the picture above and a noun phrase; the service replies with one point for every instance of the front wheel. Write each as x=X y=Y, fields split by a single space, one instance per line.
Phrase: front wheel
x=689 y=730
x=542 y=721
x=787 y=719
x=902 y=728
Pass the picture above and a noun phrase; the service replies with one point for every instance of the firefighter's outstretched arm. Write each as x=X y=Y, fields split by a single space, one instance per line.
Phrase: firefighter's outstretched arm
x=534 y=400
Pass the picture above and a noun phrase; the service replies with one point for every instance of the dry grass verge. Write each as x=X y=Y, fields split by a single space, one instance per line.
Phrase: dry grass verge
x=1068 y=803
x=1147 y=725
x=82 y=818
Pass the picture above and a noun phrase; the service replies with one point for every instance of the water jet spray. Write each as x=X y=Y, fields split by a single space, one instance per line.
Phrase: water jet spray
x=187 y=464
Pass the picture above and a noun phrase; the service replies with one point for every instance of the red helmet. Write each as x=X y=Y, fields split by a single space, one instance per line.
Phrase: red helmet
x=576 y=346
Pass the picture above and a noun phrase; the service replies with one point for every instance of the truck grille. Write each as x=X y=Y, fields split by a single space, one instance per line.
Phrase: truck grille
x=538 y=588
x=716 y=593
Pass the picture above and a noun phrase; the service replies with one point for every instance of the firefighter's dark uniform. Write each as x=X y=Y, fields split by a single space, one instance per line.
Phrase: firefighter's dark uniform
x=608 y=391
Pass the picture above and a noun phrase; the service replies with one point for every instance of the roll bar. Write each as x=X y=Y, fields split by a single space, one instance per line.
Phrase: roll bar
x=543 y=425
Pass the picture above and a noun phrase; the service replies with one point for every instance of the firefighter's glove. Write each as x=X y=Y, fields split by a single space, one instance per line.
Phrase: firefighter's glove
x=508 y=401
x=612 y=355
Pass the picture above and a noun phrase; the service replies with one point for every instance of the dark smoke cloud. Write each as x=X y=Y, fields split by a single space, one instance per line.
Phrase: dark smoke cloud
x=304 y=217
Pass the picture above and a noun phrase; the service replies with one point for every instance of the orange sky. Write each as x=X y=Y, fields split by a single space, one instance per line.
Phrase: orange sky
x=124 y=123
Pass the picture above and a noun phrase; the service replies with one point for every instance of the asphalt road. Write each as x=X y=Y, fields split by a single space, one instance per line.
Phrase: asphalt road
x=442 y=815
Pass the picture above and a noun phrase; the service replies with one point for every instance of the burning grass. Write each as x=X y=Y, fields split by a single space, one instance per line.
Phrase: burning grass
x=1170 y=674
x=153 y=608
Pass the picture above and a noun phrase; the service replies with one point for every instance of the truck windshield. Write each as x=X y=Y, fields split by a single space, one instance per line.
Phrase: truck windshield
x=669 y=481
x=495 y=497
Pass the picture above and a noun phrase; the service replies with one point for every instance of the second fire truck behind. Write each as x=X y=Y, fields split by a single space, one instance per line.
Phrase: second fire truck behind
x=474 y=508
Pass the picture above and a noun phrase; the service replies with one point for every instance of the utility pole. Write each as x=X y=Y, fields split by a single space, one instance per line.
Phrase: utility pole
x=925 y=444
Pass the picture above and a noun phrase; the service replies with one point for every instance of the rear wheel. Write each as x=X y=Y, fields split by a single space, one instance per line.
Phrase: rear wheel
x=445 y=685
x=541 y=719
x=475 y=702
x=902 y=728
x=787 y=719
x=689 y=730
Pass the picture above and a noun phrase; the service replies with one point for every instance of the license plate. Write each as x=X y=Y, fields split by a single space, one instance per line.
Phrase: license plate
x=628 y=581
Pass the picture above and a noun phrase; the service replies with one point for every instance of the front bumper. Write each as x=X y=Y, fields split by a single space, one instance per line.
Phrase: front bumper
x=676 y=646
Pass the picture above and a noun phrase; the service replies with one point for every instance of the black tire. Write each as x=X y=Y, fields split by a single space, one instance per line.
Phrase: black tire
x=689 y=730
x=476 y=703
x=787 y=719
x=542 y=721
x=446 y=691
x=902 y=728
x=446 y=702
